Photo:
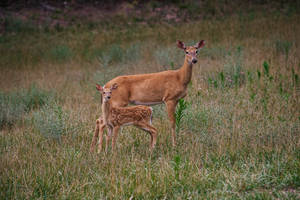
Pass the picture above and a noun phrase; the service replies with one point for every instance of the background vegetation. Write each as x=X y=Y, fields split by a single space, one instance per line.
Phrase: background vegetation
x=238 y=128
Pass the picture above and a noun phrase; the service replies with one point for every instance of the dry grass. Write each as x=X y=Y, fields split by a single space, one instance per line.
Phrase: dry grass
x=236 y=141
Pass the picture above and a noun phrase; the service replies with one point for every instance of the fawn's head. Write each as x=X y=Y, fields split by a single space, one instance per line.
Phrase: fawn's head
x=191 y=51
x=106 y=92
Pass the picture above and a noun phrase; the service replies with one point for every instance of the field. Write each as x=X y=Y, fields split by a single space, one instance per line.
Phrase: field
x=238 y=135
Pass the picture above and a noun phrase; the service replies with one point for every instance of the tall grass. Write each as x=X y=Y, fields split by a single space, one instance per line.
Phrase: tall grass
x=238 y=139
x=15 y=104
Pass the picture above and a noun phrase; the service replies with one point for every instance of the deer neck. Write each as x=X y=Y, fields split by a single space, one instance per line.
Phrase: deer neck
x=186 y=72
x=106 y=111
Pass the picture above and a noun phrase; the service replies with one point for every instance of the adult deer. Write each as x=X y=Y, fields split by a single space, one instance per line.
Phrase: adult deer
x=116 y=117
x=156 y=88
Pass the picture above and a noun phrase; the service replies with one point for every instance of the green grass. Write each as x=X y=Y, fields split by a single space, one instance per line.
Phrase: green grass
x=14 y=105
x=238 y=139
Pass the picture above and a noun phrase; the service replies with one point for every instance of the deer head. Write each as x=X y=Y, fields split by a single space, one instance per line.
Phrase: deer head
x=106 y=92
x=191 y=51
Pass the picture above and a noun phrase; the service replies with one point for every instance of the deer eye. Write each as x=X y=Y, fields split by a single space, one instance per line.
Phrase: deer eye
x=187 y=52
x=197 y=51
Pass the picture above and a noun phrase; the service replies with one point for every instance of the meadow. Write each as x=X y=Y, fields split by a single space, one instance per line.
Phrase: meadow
x=238 y=134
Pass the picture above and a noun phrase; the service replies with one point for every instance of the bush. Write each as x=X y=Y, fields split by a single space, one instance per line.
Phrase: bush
x=15 y=104
x=12 y=109
x=51 y=121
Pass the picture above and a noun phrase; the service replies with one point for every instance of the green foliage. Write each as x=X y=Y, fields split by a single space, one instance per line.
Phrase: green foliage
x=14 y=105
x=180 y=113
x=295 y=78
x=51 y=121
x=258 y=74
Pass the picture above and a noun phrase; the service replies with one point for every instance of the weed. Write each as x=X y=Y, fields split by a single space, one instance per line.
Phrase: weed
x=51 y=121
x=15 y=104
x=180 y=112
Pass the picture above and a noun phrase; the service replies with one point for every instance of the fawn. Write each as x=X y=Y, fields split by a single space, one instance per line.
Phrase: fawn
x=116 y=117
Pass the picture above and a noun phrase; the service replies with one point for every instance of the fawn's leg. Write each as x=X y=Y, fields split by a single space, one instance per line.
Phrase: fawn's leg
x=115 y=135
x=94 y=141
x=101 y=129
x=151 y=130
x=108 y=135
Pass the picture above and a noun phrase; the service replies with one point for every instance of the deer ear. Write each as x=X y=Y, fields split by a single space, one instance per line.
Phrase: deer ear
x=99 y=87
x=180 y=44
x=114 y=86
x=200 y=44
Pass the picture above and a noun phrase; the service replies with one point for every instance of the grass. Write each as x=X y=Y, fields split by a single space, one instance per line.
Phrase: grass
x=237 y=140
x=14 y=105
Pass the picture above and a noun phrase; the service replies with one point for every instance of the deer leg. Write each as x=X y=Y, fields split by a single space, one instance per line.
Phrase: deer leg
x=101 y=129
x=151 y=130
x=153 y=136
x=94 y=141
x=171 y=106
x=115 y=135
x=108 y=135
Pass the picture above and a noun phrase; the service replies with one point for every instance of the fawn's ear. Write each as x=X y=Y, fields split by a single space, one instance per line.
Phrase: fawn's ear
x=180 y=44
x=200 y=44
x=99 y=87
x=114 y=86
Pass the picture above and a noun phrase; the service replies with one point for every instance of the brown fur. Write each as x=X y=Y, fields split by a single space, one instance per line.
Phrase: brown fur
x=155 y=88
x=115 y=117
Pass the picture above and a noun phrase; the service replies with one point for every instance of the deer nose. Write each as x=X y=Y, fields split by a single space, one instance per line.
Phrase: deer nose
x=194 y=61
x=108 y=97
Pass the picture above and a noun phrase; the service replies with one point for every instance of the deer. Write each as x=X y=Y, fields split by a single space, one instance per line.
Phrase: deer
x=115 y=117
x=156 y=88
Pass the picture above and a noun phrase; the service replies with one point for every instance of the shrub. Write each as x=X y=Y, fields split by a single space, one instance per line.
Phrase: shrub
x=15 y=104
x=51 y=121
x=12 y=109
x=180 y=113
